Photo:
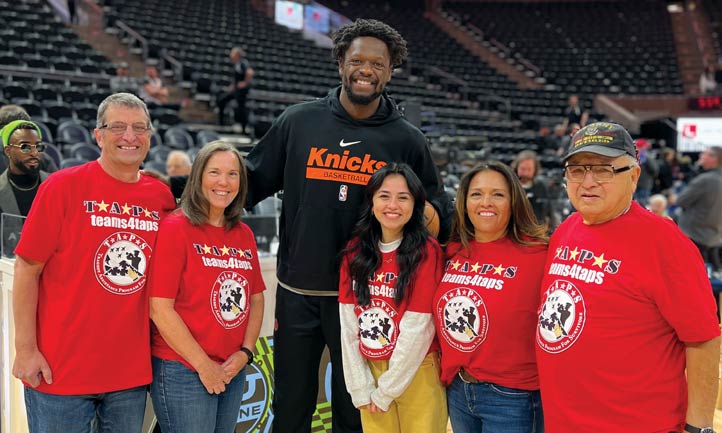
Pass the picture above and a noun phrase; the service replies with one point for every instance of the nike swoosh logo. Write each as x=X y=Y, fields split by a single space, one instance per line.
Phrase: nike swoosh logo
x=344 y=144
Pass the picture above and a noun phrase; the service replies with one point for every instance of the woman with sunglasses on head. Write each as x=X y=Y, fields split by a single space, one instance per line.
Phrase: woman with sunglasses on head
x=486 y=305
x=206 y=299
x=389 y=272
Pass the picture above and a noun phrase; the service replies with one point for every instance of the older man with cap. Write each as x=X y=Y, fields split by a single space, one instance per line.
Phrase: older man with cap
x=626 y=306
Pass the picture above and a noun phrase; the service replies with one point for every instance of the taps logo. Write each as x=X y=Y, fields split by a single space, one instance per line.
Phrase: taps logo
x=466 y=320
x=120 y=263
x=230 y=299
x=562 y=316
x=322 y=165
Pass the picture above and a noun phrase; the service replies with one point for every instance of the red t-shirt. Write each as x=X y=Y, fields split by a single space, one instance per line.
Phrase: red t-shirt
x=618 y=301
x=485 y=309
x=211 y=273
x=95 y=235
x=379 y=321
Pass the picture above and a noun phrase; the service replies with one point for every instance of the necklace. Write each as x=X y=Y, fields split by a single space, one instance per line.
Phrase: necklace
x=37 y=182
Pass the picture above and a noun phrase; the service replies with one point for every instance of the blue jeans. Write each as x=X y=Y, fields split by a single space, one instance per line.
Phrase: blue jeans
x=488 y=408
x=110 y=412
x=182 y=404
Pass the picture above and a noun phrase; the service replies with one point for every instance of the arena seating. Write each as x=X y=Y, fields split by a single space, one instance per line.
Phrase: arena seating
x=587 y=47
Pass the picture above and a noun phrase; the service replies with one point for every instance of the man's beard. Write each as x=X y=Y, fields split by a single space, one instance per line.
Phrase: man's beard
x=357 y=99
x=20 y=165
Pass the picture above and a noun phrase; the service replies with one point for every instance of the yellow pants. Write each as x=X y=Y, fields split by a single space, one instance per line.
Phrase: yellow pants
x=420 y=409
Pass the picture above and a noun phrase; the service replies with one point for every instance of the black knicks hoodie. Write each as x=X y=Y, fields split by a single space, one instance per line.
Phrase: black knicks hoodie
x=322 y=159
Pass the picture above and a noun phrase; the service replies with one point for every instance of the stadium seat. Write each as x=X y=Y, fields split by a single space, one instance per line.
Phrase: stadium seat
x=70 y=132
x=177 y=138
x=206 y=136
x=84 y=151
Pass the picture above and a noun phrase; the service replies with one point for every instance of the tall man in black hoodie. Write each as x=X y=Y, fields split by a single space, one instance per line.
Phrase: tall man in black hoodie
x=321 y=154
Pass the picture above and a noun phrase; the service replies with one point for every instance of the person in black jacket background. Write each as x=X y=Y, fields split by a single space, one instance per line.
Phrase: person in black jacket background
x=321 y=154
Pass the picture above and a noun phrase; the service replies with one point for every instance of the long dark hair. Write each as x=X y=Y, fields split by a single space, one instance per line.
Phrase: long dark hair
x=364 y=246
x=523 y=227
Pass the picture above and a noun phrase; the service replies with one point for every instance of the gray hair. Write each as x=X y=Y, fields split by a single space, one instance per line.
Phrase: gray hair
x=238 y=50
x=123 y=99
x=716 y=151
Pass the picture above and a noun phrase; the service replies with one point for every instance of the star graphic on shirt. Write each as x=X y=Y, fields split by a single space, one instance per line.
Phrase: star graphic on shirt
x=126 y=209
x=475 y=267
x=599 y=260
x=206 y=249
x=558 y=252
x=103 y=206
x=379 y=276
x=456 y=265
x=498 y=270
x=147 y=213
x=574 y=253
x=225 y=250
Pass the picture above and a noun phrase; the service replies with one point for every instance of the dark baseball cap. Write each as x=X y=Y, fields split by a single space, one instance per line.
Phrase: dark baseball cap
x=602 y=138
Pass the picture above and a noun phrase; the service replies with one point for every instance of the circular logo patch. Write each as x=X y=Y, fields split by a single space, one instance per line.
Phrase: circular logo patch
x=464 y=320
x=120 y=263
x=377 y=329
x=561 y=317
x=229 y=299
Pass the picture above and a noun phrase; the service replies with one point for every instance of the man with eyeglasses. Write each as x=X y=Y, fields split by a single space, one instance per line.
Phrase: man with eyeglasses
x=81 y=314
x=626 y=306
x=22 y=143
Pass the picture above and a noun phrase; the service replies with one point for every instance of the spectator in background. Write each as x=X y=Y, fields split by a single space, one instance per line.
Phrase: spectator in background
x=10 y=112
x=80 y=308
x=575 y=113
x=561 y=140
x=627 y=320
x=22 y=144
x=19 y=183
x=701 y=203
x=123 y=82
x=527 y=167
x=649 y=171
x=238 y=89
x=178 y=163
x=153 y=92
x=707 y=82
x=669 y=171
x=658 y=205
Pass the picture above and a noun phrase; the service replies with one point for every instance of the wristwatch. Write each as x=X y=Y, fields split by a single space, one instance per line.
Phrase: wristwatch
x=693 y=429
x=248 y=353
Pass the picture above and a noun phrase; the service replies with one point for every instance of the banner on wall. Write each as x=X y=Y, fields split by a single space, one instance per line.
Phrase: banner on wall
x=256 y=413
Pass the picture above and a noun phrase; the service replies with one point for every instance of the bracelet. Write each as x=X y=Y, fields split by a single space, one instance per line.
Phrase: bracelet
x=248 y=353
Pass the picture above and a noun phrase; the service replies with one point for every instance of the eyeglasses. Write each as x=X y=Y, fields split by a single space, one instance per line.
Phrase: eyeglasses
x=600 y=172
x=27 y=147
x=119 y=128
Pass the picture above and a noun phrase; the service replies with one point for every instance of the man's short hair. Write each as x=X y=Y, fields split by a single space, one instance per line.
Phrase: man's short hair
x=716 y=151
x=123 y=99
x=396 y=44
x=238 y=50
x=9 y=113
